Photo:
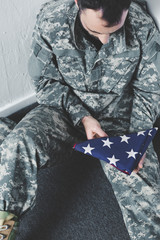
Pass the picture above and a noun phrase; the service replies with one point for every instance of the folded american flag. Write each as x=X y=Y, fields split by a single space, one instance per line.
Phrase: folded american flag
x=123 y=152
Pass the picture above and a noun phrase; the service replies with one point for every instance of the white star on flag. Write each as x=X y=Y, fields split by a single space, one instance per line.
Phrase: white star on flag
x=113 y=160
x=123 y=151
x=107 y=143
x=132 y=154
x=125 y=138
x=141 y=133
x=88 y=149
x=150 y=133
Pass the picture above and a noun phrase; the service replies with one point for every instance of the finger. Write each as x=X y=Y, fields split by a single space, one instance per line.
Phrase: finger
x=101 y=133
x=140 y=165
x=90 y=135
x=142 y=161
x=136 y=170
x=96 y=135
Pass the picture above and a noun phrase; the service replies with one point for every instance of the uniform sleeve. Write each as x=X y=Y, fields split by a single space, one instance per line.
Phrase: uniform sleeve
x=50 y=87
x=146 y=85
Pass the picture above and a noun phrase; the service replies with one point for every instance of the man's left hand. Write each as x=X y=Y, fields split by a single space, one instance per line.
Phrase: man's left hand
x=140 y=165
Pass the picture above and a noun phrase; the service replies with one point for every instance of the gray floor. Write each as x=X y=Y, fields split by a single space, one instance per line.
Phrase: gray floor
x=74 y=202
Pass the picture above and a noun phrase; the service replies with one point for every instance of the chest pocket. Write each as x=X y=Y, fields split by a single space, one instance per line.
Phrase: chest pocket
x=117 y=74
x=72 y=71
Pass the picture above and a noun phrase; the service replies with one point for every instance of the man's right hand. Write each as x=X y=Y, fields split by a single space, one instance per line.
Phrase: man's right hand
x=92 y=128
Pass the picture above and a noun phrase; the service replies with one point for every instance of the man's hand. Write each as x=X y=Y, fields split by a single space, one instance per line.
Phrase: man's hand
x=140 y=165
x=92 y=128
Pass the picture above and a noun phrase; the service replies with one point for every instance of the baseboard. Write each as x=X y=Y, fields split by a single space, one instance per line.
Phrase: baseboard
x=17 y=105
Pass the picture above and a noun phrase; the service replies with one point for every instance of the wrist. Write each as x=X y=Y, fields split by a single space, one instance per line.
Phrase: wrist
x=85 y=118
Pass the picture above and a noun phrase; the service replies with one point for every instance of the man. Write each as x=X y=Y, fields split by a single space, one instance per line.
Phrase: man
x=95 y=67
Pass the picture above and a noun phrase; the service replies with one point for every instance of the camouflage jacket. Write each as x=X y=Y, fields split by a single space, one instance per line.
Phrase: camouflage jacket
x=120 y=81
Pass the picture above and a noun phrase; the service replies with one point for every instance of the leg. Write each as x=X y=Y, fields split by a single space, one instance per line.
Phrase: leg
x=139 y=197
x=37 y=139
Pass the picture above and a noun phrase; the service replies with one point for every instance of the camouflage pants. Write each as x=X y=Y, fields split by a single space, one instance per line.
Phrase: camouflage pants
x=39 y=138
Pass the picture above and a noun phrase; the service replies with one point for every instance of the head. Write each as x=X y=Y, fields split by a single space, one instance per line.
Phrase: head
x=103 y=17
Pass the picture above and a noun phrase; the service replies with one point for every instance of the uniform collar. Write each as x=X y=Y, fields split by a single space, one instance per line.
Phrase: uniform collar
x=117 y=42
x=73 y=14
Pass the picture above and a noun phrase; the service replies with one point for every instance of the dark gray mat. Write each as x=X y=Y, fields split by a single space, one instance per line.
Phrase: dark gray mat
x=74 y=202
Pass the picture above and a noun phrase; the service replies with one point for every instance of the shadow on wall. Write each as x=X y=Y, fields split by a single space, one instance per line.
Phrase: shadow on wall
x=154 y=9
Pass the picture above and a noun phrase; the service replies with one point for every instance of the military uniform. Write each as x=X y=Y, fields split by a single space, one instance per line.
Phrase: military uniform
x=117 y=83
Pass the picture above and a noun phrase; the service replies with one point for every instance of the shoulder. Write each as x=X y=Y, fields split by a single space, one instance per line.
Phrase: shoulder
x=141 y=22
x=139 y=14
x=54 y=14
x=146 y=32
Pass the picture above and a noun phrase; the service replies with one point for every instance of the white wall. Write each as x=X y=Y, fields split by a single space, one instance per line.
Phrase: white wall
x=17 y=19
x=154 y=7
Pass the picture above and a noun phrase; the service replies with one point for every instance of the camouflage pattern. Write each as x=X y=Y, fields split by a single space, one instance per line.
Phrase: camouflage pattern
x=119 y=85
x=38 y=138
x=139 y=197
x=6 y=126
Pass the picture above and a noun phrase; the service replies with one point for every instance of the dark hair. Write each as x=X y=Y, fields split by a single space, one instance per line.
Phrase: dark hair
x=112 y=9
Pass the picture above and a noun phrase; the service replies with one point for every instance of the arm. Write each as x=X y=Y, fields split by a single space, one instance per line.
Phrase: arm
x=146 y=85
x=50 y=87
